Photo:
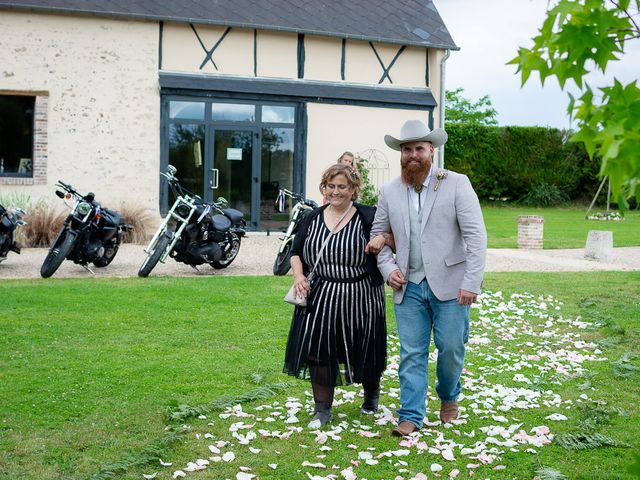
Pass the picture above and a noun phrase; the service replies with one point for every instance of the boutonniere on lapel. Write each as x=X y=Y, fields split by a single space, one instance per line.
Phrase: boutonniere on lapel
x=441 y=175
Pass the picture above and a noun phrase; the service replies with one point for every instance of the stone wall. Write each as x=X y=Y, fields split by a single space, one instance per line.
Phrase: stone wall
x=97 y=104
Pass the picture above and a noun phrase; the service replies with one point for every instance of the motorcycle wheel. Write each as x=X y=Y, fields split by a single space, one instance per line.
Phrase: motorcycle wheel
x=108 y=256
x=152 y=259
x=283 y=261
x=56 y=256
x=229 y=256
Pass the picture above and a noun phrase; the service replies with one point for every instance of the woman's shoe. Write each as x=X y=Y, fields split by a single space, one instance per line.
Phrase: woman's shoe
x=370 y=403
x=322 y=416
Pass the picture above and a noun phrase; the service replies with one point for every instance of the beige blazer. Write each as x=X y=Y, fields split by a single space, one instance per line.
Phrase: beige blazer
x=454 y=238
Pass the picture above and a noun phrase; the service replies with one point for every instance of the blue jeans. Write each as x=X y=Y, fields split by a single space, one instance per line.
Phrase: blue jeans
x=419 y=313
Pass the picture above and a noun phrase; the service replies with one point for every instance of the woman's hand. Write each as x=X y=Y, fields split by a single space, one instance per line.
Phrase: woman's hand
x=301 y=285
x=375 y=244
x=379 y=241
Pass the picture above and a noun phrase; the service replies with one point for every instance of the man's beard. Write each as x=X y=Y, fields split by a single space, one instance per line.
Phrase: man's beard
x=414 y=175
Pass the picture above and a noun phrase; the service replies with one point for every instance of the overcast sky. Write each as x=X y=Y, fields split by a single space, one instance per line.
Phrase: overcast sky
x=488 y=33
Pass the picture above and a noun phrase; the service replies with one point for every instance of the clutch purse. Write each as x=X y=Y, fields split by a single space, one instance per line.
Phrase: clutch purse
x=291 y=298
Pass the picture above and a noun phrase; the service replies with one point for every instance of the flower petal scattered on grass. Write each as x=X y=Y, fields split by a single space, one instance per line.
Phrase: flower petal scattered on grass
x=535 y=343
x=558 y=417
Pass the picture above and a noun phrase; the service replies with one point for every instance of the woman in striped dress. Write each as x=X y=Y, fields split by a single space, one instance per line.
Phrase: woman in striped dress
x=340 y=336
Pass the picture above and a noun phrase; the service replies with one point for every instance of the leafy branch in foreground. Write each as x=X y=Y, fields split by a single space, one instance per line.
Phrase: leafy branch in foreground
x=583 y=441
x=623 y=368
x=548 y=473
x=175 y=433
x=579 y=35
x=150 y=454
x=596 y=414
x=184 y=412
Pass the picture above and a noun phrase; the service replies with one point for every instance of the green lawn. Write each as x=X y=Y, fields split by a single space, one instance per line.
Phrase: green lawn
x=563 y=227
x=89 y=368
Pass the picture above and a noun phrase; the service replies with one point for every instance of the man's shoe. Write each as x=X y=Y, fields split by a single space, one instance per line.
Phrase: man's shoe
x=403 y=429
x=448 y=412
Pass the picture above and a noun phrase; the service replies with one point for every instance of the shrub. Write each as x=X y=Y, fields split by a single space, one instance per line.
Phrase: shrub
x=511 y=161
x=544 y=195
x=141 y=221
x=368 y=192
x=43 y=224
x=22 y=200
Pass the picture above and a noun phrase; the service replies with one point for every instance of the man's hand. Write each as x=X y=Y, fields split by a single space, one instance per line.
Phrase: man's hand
x=465 y=297
x=396 y=279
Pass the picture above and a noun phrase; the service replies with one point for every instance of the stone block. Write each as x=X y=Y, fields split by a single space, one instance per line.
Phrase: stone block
x=599 y=245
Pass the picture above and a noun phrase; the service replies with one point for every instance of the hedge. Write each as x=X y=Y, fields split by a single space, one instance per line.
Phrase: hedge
x=510 y=161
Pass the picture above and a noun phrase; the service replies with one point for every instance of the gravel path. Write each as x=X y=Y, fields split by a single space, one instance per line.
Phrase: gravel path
x=258 y=252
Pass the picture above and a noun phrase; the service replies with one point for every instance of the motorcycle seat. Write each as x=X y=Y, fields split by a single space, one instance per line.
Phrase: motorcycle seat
x=234 y=215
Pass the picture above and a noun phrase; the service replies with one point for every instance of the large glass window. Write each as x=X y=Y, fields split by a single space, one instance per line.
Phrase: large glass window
x=277 y=172
x=233 y=112
x=186 y=110
x=273 y=114
x=186 y=153
x=241 y=151
x=16 y=135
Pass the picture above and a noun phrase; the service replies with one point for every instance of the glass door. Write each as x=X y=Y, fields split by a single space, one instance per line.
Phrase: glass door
x=232 y=173
x=186 y=151
x=187 y=145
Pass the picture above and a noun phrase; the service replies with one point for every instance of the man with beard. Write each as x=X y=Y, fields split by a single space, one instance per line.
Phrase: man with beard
x=440 y=242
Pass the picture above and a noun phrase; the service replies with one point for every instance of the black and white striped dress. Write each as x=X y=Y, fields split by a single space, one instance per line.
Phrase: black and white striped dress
x=340 y=337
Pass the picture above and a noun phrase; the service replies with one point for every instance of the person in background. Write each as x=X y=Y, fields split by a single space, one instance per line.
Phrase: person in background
x=340 y=337
x=436 y=273
x=348 y=159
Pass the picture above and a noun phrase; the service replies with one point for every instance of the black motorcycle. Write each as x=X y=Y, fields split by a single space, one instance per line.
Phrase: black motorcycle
x=302 y=206
x=10 y=220
x=90 y=233
x=195 y=232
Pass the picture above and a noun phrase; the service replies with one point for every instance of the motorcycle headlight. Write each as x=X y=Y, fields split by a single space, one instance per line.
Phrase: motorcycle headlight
x=183 y=210
x=83 y=208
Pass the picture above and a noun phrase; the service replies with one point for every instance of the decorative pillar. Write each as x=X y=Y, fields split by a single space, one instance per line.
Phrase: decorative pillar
x=530 y=231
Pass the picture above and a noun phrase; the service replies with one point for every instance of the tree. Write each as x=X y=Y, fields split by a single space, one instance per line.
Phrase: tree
x=462 y=110
x=579 y=35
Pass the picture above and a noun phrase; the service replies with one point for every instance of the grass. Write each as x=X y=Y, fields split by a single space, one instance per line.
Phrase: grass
x=89 y=368
x=563 y=227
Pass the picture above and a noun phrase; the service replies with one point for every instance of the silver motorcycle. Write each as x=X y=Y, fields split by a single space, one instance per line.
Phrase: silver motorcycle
x=195 y=232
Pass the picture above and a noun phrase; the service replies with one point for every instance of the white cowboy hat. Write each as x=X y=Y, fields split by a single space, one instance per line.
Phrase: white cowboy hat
x=416 y=131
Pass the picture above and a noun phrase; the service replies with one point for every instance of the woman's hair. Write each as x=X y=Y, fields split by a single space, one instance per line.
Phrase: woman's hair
x=349 y=154
x=339 y=169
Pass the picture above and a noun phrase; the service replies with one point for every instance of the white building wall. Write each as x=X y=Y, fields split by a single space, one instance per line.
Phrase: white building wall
x=277 y=56
x=104 y=107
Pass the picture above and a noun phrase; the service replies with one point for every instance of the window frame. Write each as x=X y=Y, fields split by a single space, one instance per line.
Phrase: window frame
x=33 y=140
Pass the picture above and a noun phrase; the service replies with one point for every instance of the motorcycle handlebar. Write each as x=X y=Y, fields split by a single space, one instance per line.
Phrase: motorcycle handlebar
x=89 y=197
x=291 y=194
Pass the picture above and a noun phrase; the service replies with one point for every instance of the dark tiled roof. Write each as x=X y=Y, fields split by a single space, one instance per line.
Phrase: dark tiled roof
x=406 y=22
